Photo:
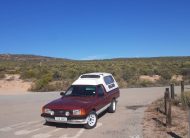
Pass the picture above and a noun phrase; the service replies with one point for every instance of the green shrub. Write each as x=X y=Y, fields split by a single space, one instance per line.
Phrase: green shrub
x=185 y=99
x=130 y=74
x=57 y=75
x=41 y=84
x=186 y=64
x=29 y=74
x=166 y=74
x=162 y=82
x=145 y=83
x=2 y=75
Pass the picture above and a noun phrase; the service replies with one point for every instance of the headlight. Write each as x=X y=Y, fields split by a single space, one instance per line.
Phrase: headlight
x=79 y=112
x=76 y=112
x=67 y=113
x=48 y=111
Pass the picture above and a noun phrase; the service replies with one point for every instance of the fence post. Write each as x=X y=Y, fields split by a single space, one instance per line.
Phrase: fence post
x=172 y=91
x=182 y=92
x=182 y=88
x=166 y=96
x=169 y=113
x=167 y=102
x=189 y=122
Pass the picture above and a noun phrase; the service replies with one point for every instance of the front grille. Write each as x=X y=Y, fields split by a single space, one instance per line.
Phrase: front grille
x=60 y=112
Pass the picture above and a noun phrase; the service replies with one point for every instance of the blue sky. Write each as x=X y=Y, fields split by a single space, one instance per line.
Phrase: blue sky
x=95 y=29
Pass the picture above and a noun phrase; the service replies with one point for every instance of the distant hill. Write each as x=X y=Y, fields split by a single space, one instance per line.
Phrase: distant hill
x=23 y=57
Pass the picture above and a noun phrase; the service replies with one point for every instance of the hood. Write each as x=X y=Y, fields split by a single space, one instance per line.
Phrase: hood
x=70 y=103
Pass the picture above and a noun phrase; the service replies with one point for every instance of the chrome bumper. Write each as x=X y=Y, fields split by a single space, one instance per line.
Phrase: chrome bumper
x=74 y=121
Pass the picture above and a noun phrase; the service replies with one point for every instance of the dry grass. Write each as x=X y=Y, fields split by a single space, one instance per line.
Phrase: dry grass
x=154 y=122
x=177 y=77
x=153 y=78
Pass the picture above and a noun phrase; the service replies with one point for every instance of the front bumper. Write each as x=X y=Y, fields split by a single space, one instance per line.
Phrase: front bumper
x=73 y=121
x=70 y=120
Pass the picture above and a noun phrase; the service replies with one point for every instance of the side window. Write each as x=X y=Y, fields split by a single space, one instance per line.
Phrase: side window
x=111 y=79
x=108 y=80
x=100 y=91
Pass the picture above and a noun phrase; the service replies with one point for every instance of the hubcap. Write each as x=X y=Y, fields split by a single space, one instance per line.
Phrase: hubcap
x=92 y=120
x=114 y=105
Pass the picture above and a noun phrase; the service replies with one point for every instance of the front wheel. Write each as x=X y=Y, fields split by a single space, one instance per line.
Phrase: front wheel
x=112 y=107
x=91 y=120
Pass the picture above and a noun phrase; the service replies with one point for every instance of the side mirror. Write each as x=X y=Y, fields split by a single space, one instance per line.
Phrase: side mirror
x=62 y=93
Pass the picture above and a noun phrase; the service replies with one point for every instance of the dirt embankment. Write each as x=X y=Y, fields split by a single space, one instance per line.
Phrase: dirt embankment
x=155 y=78
x=12 y=84
x=154 y=124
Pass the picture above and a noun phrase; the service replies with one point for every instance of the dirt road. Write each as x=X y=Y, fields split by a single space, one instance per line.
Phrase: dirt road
x=20 y=116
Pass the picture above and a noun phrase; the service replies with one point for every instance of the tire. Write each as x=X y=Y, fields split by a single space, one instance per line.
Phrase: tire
x=112 y=107
x=91 y=120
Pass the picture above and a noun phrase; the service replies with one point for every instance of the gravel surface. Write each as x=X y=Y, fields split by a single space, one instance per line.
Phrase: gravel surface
x=20 y=116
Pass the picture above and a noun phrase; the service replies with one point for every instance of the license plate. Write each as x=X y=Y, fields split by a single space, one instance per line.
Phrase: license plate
x=64 y=119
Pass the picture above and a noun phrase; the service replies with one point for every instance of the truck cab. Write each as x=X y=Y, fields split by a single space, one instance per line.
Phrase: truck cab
x=85 y=99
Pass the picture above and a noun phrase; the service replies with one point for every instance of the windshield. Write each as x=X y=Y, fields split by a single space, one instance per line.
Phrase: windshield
x=81 y=90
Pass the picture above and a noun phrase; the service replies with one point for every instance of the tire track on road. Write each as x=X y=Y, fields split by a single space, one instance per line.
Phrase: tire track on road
x=16 y=126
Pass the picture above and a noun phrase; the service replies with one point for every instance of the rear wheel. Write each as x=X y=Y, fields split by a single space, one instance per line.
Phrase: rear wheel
x=112 y=107
x=91 y=120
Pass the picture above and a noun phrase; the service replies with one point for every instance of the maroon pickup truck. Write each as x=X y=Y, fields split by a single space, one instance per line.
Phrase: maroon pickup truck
x=87 y=97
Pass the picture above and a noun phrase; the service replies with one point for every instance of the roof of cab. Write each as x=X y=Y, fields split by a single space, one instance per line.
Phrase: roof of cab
x=97 y=73
x=91 y=80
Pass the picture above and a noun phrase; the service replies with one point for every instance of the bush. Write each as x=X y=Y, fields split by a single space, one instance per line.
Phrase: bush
x=162 y=82
x=2 y=76
x=130 y=73
x=185 y=99
x=57 y=75
x=166 y=74
x=42 y=84
x=145 y=83
x=28 y=74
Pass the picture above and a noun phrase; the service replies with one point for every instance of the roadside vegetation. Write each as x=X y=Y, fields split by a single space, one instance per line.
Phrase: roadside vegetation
x=155 y=118
x=2 y=76
x=49 y=74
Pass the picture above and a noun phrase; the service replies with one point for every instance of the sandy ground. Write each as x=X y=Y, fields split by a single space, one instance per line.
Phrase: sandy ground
x=153 y=78
x=12 y=84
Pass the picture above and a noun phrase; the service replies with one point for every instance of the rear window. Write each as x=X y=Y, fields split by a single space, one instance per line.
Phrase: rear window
x=108 y=80
x=90 y=76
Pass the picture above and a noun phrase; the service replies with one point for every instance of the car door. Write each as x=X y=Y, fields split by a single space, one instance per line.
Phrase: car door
x=101 y=102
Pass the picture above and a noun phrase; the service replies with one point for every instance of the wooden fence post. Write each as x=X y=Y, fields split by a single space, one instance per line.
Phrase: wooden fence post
x=167 y=102
x=166 y=96
x=172 y=91
x=189 y=121
x=169 y=113
x=182 y=88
